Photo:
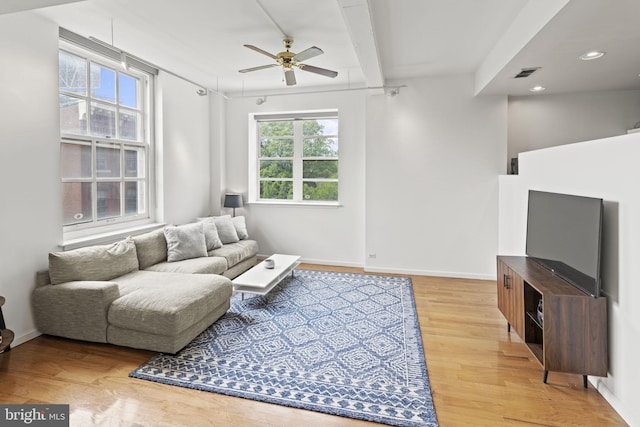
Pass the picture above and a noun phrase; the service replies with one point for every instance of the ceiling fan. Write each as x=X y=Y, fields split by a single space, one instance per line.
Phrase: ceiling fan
x=289 y=60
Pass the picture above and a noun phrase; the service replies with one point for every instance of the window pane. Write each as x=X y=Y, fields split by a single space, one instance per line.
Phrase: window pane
x=282 y=190
x=73 y=115
x=134 y=164
x=276 y=147
x=134 y=198
x=72 y=73
x=76 y=202
x=130 y=125
x=320 y=191
x=320 y=127
x=128 y=90
x=103 y=120
x=320 y=147
x=108 y=162
x=276 y=128
x=108 y=199
x=320 y=169
x=103 y=83
x=75 y=161
x=276 y=169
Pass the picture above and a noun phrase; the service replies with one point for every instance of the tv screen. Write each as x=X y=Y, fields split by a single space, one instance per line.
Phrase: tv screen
x=564 y=234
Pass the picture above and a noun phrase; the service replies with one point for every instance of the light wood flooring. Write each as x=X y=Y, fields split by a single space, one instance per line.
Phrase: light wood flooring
x=480 y=376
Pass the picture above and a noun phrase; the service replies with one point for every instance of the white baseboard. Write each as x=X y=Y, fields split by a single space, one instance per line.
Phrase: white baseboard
x=322 y=262
x=23 y=338
x=393 y=270
x=415 y=272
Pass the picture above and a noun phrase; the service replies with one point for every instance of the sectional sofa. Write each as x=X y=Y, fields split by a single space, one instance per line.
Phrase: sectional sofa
x=155 y=291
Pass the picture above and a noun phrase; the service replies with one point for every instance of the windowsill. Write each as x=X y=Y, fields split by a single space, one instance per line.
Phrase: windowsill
x=107 y=237
x=296 y=204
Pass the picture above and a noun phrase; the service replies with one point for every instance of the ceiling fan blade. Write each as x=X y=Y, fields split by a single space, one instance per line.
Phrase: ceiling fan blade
x=289 y=77
x=264 y=52
x=262 y=67
x=318 y=70
x=308 y=53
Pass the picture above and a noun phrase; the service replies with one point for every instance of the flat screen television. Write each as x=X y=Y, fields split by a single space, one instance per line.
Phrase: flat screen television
x=564 y=234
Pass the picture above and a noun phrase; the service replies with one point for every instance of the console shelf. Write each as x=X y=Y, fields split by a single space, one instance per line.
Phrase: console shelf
x=571 y=336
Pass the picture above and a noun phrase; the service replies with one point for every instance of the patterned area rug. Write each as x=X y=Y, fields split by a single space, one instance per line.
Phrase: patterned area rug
x=338 y=343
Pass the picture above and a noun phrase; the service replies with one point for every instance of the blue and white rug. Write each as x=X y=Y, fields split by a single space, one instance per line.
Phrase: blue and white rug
x=338 y=343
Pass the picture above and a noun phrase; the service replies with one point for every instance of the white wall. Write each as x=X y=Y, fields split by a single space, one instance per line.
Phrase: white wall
x=605 y=168
x=183 y=143
x=434 y=153
x=319 y=234
x=541 y=121
x=31 y=211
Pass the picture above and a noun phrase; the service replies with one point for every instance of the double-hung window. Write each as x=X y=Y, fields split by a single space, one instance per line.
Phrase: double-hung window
x=296 y=158
x=105 y=144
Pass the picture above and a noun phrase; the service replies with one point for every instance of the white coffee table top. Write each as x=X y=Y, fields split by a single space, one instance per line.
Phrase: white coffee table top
x=260 y=280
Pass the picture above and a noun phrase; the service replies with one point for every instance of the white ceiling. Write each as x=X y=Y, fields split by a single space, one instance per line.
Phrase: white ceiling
x=369 y=42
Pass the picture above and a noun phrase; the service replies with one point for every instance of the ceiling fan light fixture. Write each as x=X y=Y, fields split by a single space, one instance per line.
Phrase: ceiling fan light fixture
x=287 y=60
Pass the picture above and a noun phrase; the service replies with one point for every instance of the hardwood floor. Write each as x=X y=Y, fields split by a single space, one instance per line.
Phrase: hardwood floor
x=480 y=376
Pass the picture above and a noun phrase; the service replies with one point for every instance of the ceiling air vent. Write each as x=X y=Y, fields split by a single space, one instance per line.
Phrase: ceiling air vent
x=526 y=72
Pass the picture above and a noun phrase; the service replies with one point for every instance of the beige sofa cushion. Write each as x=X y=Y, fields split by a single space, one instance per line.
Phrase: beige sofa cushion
x=166 y=303
x=94 y=263
x=203 y=265
x=151 y=248
x=236 y=252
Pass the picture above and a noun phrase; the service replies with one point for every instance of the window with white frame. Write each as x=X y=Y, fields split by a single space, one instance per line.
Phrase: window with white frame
x=296 y=157
x=105 y=144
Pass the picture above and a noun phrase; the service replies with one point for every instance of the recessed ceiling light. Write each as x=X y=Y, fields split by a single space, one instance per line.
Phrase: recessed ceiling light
x=594 y=54
x=537 y=89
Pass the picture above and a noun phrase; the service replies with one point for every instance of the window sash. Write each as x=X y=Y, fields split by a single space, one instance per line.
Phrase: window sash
x=129 y=211
x=298 y=159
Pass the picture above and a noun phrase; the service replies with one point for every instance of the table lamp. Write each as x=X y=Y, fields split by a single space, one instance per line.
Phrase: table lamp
x=233 y=201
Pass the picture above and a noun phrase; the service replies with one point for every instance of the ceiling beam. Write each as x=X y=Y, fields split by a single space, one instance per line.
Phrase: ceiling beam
x=357 y=18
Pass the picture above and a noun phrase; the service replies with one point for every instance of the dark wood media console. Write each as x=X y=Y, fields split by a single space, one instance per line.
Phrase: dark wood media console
x=571 y=334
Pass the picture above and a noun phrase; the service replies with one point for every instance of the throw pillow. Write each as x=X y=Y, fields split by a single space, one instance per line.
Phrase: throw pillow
x=93 y=263
x=226 y=229
x=241 y=227
x=210 y=233
x=185 y=241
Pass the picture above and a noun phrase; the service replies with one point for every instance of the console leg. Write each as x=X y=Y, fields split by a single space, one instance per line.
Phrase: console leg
x=508 y=327
x=544 y=378
x=584 y=381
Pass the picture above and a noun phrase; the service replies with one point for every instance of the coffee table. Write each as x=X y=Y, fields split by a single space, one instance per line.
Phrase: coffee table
x=260 y=280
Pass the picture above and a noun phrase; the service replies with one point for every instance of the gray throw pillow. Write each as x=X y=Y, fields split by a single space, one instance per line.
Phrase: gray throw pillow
x=226 y=229
x=210 y=233
x=241 y=227
x=93 y=263
x=185 y=241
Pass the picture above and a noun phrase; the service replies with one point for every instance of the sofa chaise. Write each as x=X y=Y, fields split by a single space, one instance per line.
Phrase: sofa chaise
x=156 y=291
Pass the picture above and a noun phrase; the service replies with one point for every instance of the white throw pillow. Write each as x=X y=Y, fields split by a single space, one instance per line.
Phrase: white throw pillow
x=241 y=227
x=226 y=229
x=185 y=241
x=211 y=236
